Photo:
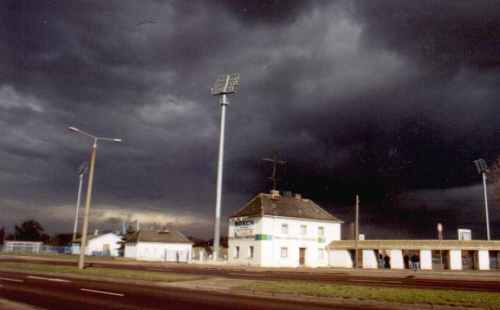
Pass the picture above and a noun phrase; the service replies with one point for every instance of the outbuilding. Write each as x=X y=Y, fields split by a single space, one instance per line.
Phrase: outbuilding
x=274 y=230
x=166 y=245
x=107 y=244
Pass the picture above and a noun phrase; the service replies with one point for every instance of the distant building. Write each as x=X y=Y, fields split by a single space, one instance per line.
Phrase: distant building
x=273 y=230
x=164 y=245
x=22 y=246
x=107 y=244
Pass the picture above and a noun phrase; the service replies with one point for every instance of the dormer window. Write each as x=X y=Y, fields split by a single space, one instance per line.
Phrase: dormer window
x=284 y=229
x=321 y=231
x=303 y=230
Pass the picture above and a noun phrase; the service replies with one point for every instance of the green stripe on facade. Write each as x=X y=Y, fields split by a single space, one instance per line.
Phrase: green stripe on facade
x=263 y=237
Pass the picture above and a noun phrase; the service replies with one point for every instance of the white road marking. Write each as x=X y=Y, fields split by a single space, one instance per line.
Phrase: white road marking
x=48 y=279
x=11 y=280
x=246 y=274
x=375 y=281
x=102 y=292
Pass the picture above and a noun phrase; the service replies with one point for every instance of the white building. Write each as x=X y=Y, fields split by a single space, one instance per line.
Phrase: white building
x=281 y=231
x=166 y=246
x=100 y=245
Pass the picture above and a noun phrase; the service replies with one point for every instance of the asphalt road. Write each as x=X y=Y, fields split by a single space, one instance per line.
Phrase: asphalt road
x=66 y=293
x=388 y=280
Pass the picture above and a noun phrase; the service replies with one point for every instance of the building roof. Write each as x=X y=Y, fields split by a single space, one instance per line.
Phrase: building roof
x=416 y=244
x=286 y=206
x=93 y=236
x=163 y=236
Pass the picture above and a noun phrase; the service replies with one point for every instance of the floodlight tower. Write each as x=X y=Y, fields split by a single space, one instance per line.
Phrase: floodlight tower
x=83 y=244
x=482 y=169
x=81 y=172
x=224 y=85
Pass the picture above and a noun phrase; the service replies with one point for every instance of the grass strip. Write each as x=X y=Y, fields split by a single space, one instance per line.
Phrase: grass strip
x=399 y=295
x=155 y=276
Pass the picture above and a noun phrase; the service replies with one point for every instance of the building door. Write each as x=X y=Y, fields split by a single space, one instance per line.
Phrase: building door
x=469 y=260
x=106 y=250
x=495 y=259
x=302 y=256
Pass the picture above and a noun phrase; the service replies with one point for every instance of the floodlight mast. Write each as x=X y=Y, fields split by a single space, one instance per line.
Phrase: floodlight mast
x=224 y=85
x=482 y=169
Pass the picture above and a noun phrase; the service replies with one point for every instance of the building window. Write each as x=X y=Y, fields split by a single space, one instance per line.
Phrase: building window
x=284 y=229
x=237 y=252
x=284 y=252
x=250 y=252
x=303 y=230
x=321 y=231
x=321 y=254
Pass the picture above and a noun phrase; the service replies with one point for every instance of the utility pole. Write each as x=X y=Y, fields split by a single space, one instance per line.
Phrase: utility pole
x=356 y=232
x=224 y=85
x=276 y=162
x=83 y=244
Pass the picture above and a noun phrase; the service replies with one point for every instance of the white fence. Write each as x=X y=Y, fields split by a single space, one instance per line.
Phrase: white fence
x=34 y=248
x=176 y=256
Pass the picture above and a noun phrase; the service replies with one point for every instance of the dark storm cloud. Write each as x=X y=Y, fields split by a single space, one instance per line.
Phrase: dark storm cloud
x=267 y=11
x=390 y=100
x=438 y=33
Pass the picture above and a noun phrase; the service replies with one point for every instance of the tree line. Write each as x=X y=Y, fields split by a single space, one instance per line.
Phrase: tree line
x=32 y=230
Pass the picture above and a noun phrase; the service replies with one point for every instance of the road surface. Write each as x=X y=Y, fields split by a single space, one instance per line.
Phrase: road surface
x=408 y=280
x=70 y=293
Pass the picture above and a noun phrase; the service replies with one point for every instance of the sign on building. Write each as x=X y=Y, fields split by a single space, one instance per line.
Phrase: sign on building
x=244 y=228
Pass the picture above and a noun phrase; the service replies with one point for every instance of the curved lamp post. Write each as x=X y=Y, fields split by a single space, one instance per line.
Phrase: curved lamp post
x=81 y=172
x=83 y=244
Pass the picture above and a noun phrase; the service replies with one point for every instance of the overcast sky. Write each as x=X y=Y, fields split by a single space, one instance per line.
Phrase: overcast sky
x=389 y=99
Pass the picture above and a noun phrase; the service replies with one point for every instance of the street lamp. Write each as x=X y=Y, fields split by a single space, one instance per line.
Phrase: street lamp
x=83 y=243
x=224 y=85
x=81 y=171
x=482 y=169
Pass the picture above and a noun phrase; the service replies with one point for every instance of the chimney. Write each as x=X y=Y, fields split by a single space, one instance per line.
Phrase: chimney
x=275 y=195
x=298 y=196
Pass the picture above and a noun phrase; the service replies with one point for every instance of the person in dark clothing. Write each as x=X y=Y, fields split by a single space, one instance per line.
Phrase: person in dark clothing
x=387 y=262
x=414 y=262
x=380 y=261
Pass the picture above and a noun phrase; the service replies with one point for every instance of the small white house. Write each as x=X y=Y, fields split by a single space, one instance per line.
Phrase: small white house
x=274 y=230
x=164 y=246
x=100 y=245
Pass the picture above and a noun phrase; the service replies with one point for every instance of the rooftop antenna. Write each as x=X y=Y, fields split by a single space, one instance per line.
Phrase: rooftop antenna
x=276 y=162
